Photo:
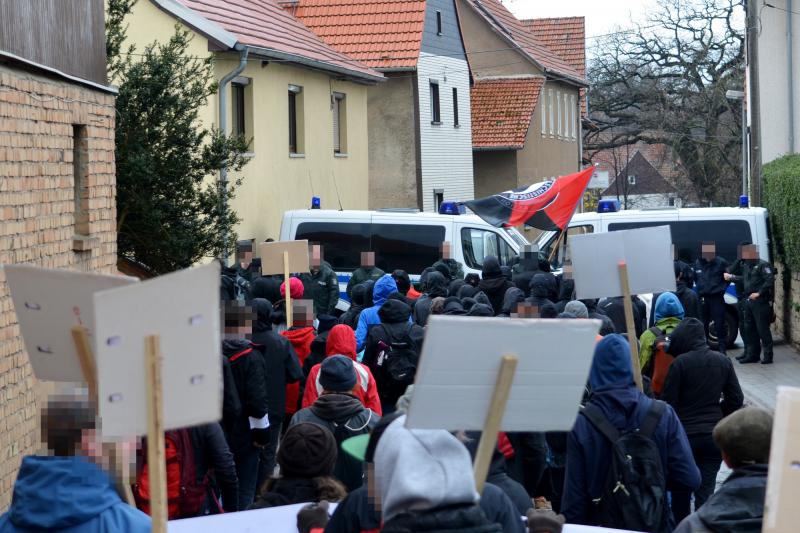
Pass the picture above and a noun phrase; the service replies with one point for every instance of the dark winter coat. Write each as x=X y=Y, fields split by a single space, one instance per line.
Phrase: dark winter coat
x=362 y=274
x=454 y=268
x=709 y=276
x=688 y=298
x=493 y=284
x=589 y=452
x=540 y=290
x=247 y=367
x=323 y=288
x=344 y=416
x=211 y=453
x=460 y=519
x=435 y=286
x=394 y=328
x=288 y=491
x=698 y=378
x=614 y=308
x=512 y=297
x=350 y=317
x=737 y=507
x=566 y=294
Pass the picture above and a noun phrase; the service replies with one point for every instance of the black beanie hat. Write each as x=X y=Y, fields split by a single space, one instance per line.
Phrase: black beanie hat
x=307 y=451
x=337 y=374
x=326 y=323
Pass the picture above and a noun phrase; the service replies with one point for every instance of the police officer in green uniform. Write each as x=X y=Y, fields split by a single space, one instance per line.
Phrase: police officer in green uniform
x=759 y=279
x=737 y=270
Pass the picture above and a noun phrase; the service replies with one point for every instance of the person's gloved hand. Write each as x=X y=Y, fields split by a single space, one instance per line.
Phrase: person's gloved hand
x=260 y=437
x=544 y=521
x=312 y=516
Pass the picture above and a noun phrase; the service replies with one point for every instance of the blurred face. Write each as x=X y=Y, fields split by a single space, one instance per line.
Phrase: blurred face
x=709 y=251
x=238 y=321
x=447 y=250
x=568 y=271
x=526 y=310
x=530 y=251
x=245 y=258
x=372 y=488
x=303 y=313
x=367 y=259
x=750 y=252
x=316 y=257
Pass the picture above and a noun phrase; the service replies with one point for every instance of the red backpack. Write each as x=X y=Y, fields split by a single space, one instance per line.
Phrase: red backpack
x=660 y=361
x=185 y=496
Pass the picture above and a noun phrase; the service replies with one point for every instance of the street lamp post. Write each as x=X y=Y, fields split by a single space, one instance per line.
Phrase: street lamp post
x=739 y=95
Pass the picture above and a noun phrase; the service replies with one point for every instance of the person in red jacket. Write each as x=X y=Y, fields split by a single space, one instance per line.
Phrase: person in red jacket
x=342 y=341
x=301 y=334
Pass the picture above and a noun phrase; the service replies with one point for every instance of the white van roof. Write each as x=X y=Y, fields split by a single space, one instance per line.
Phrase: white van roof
x=327 y=214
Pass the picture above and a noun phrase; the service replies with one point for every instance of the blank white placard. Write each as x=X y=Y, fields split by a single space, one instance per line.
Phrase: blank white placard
x=596 y=258
x=183 y=310
x=49 y=303
x=460 y=359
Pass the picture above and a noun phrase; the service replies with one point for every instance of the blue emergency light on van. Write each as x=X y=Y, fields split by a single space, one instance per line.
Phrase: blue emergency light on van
x=744 y=201
x=452 y=208
x=608 y=206
x=316 y=203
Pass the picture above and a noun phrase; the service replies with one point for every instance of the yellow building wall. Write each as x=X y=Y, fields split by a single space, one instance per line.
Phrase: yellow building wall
x=274 y=182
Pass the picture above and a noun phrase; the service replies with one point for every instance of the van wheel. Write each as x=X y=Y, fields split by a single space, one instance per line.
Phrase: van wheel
x=731 y=330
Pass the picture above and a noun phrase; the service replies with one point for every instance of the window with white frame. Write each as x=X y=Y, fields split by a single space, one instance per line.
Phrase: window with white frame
x=339 y=123
x=552 y=111
x=436 y=109
x=574 y=121
x=543 y=111
x=631 y=180
x=566 y=116
x=559 y=129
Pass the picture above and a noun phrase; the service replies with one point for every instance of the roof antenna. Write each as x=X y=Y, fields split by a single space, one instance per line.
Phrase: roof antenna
x=333 y=175
x=311 y=183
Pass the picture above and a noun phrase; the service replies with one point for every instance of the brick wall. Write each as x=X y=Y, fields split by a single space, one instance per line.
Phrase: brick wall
x=787 y=305
x=38 y=119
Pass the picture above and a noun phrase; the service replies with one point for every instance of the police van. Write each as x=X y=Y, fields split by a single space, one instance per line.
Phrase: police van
x=690 y=227
x=401 y=238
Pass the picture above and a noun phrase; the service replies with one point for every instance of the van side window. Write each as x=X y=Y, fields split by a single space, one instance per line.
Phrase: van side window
x=478 y=243
x=412 y=248
x=689 y=235
x=342 y=244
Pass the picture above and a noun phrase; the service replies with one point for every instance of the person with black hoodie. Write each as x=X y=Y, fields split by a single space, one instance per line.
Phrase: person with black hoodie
x=282 y=367
x=393 y=329
x=212 y=454
x=435 y=287
x=614 y=308
x=249 y=431
x=565 y=294
x=493 y=283
x=696 y=381
x=342 y=413
x=350 y=317
x=511 y=299
x=540 y=289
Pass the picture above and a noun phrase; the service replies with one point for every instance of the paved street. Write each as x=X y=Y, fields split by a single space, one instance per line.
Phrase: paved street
x=759 y=382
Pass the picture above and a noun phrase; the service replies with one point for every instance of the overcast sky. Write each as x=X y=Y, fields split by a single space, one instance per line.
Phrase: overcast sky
x=602 y=16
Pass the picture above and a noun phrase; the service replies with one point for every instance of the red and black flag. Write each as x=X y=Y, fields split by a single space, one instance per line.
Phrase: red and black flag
x=548 y=205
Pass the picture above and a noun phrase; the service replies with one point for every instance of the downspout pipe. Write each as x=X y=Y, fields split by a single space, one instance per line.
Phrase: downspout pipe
x=790 y=70
x=223 y=127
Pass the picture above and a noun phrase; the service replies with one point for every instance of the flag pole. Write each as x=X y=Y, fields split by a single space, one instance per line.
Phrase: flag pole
x=563 y=234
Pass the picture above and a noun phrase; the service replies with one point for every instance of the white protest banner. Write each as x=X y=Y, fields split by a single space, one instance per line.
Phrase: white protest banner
x=596 y=258
x=554 y=357
x=781 y=512
x=48 y=304
x=182 y=310
x=281 y=519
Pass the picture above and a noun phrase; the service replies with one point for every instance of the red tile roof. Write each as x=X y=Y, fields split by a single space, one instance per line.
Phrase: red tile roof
x=502 y=109
x=566 y=36
x=379 y=33
x=264 y=24
x=511 y=28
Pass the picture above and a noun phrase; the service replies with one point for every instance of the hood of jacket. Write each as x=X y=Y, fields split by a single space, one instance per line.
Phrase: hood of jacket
x=56 y=493
x=512 y=297
x=341 y=341
x=383 y=288
x=567 y=290
x=436 y=285
x=421 y=470
x=540 y=286
x=491 y=268
x=337 y=407
x=394 y=312
x=481 y=298
x=668 y=305
x=688 y=336
x=232 y=347
x=467 y=291
x=359 y=291
x=480 y=310
x=739 y=504
x=263 y=315
x=459 y=519
x=369 y=289
x=611 y=366
x=300 y=336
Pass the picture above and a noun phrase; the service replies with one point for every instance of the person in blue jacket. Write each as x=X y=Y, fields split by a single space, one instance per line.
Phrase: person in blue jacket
x=369 y=316
x=66 y=490
x=589 y=452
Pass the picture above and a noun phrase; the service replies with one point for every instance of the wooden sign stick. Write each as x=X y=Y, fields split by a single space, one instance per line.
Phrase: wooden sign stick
x=156 y=460
x=289 y=314
x=80 y=336
x=629 y=322
x=488 y=442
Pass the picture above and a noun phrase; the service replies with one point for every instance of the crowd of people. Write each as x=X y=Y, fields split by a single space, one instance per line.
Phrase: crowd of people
x=307 y=406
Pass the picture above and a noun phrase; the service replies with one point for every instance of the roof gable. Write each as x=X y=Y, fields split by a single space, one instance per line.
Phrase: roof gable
x=385 y=34
x=648 y=179
x=566 y=36
x=274 y=32
x=502 y=110
x=505 y=24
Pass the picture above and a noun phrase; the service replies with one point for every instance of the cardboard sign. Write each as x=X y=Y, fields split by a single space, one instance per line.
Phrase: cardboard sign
x=183 y=310
x=271 y=254
x=600 y=180
x=596 y=258
x=49 y=303
x=781 y=512
x=459 y=365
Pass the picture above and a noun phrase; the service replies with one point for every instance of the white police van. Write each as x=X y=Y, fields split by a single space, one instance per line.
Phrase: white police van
x=401 y=238
x=690 y=227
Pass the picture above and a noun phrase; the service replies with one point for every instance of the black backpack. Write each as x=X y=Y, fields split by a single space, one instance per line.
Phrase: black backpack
x=634 y=495
x=398 y=360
